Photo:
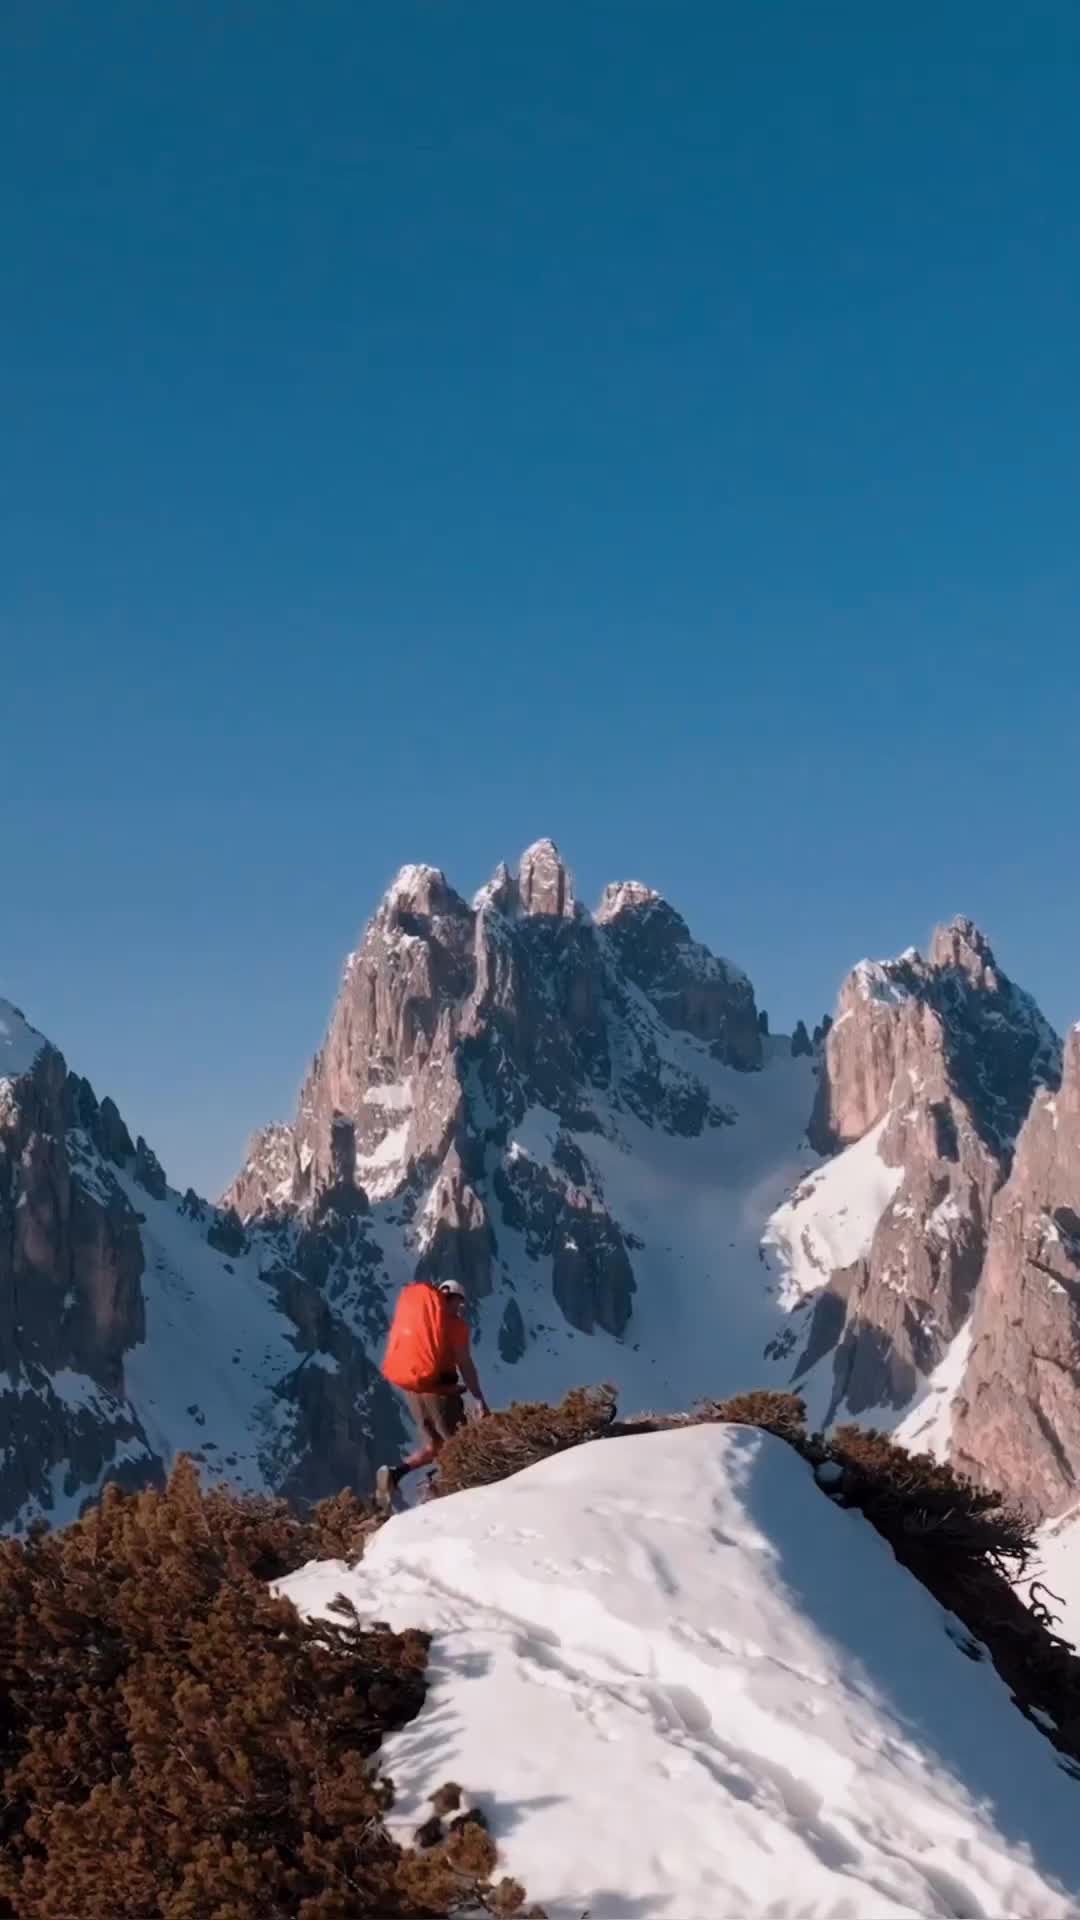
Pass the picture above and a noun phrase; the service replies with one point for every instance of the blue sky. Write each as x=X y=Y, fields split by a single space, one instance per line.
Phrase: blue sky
x=431 y=425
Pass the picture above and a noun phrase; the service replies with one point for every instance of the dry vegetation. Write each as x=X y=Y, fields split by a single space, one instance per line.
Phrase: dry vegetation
x=177 y=1744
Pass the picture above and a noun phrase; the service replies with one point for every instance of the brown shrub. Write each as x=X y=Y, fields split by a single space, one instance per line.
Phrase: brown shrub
x=780 y=1413
x=340 y=1527
x=924 y=1507
x=503 y=1443
x=178 y=1744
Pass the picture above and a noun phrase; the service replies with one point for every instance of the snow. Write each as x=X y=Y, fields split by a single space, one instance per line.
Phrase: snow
x=78 y=1391
x=380 y=1171
x=389 y=1150
x=875 y=982
x=944 y=1216
x=19 y=1043
x=683 y=1683
x=66 y=1500
x=927 y=1424
x=694 y=1210
x=622 y=896
x=203 y=1381
x=409 y=881
x=395 y=1096
x=535 y=1135
x=1058 y=1569
x=831 y=1219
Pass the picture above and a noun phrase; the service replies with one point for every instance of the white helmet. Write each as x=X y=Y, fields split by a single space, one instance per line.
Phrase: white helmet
x=453 y=1287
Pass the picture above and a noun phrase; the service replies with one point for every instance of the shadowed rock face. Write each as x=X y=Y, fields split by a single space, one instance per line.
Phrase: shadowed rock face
x=70 y=1260
x=1018 y=1419
x=453 y=1021
x=946 y=1055
x=73 y=1275
x=71 y=1304
x=693 y=990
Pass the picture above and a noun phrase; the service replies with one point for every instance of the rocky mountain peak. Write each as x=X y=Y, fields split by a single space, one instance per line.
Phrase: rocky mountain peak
x=626 y=896
x=963 y=947
x=421 y=890
x=695 y=991
x=893 y=1016
x=544 y=882
x=499 y=892
x=927 y=1075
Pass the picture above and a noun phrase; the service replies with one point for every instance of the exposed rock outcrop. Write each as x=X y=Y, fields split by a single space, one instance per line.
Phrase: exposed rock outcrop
x=939 y=1059
x=801 y=1042
x=691 y=988
x=71 y=1304
x=544 y=884
x=998 y=1047
x=1018 y=1417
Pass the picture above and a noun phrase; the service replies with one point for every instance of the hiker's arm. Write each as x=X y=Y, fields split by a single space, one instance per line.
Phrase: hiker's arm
x=467 y=1369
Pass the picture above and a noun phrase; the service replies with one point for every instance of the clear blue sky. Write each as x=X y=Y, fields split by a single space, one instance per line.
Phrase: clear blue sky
x=432 y=424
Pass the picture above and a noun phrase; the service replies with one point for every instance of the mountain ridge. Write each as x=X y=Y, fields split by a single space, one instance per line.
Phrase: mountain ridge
x=583 y=1118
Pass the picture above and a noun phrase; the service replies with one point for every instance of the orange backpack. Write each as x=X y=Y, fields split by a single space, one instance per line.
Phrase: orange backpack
x=420 y=1353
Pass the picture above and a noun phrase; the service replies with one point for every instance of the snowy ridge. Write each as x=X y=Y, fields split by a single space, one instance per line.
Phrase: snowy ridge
x=736 y=1701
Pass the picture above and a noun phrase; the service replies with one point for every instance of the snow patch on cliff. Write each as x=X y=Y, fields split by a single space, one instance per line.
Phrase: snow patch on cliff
x=927 y=1425
x=831 y=1219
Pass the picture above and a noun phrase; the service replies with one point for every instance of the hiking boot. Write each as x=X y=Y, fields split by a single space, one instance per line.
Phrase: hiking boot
x=386 y=1485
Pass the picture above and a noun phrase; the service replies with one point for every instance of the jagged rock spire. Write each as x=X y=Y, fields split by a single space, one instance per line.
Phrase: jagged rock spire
x=545 y=885
x=964 y=947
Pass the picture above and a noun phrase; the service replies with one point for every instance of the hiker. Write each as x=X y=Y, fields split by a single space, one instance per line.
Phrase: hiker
x=427 y=1348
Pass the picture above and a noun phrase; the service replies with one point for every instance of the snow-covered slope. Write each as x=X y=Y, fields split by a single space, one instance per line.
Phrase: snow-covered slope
x=830 y=1220
x=683 y=1683
x=1057 y=1571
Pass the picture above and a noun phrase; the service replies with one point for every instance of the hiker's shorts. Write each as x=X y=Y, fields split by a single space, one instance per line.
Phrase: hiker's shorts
x=437 y=1415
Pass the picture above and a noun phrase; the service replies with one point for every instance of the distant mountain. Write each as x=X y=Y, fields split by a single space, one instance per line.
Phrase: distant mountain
x=583 y=1117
